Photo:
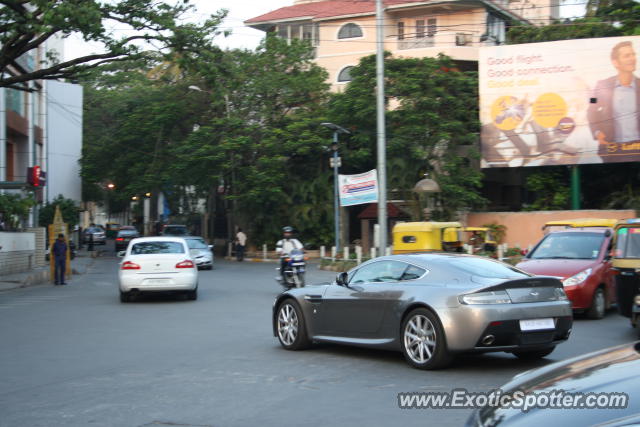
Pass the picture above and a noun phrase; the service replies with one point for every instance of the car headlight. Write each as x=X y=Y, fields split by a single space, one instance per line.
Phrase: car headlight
x=576 y=279
x=492 y=297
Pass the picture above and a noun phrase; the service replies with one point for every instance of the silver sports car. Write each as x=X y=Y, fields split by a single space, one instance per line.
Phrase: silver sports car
x=429 y=306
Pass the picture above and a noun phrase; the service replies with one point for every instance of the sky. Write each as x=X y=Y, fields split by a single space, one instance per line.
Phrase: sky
x=239 y=11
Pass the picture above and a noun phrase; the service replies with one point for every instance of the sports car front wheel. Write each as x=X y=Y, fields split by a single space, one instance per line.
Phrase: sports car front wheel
x=291 y=328
x=423 y=341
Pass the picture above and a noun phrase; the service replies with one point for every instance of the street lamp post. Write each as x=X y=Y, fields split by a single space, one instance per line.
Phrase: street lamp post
x=336 y=199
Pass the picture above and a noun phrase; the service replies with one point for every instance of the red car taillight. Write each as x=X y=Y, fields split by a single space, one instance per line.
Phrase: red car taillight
x=119 y=239
x=128 y=265
x=187 y=263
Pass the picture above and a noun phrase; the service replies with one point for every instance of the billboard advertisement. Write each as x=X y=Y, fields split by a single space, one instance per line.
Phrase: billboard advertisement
x=358 y=189
x=560 y=103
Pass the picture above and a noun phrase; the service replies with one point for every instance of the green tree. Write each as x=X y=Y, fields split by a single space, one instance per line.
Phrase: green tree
x=262 y=140
x=549 y=189
x=431 y=125
x=27 y=25
x=608 y=18
x=14 y=208
x=68 y=209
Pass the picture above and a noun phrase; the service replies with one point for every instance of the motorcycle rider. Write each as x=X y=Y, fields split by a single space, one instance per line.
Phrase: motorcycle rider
x=285 y=246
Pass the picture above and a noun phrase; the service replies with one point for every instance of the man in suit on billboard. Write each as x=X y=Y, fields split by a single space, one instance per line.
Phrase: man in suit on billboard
x=614 y=112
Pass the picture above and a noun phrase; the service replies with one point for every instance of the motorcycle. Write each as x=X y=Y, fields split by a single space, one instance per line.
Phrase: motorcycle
x=294 y=269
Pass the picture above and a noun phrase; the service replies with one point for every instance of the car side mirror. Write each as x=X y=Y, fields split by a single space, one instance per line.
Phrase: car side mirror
x=342 y=279
x=121 y=254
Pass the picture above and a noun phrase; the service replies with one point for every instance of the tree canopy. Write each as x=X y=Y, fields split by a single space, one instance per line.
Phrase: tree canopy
x=125 y=28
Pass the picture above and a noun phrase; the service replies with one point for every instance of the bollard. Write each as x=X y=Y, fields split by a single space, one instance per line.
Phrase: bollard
x=264 y=251
x=322 y=252
x=387 y=251
x=346 y=253
x=373 y=252
x=500 y=252
x=229 y=249
x=333 y=253
x=358 y=255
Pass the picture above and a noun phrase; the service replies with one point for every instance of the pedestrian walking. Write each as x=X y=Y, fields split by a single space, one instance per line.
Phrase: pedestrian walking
x=241 y=241
x=59 y=251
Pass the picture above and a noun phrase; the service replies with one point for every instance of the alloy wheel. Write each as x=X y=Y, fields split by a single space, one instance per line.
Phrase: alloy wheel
x=287 y=324
x=420 y=339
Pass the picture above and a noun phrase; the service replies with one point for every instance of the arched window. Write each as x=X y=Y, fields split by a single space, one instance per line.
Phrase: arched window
x=345 y=74
x=349 y=31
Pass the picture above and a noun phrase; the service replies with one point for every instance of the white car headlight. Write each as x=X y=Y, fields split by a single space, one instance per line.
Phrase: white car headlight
x=492 y=297
x=576 y=279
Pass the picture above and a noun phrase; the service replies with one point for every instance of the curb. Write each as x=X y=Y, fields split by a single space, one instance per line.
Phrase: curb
x=33 y=278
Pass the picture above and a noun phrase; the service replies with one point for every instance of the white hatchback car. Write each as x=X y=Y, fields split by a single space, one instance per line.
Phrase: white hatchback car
x=157 y=264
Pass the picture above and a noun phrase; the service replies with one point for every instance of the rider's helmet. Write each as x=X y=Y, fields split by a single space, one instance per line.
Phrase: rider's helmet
x=287 y=229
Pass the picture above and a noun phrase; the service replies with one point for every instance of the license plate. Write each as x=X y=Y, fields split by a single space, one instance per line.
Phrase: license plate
x=296 y=264
x=537 y=324
x=158 y=281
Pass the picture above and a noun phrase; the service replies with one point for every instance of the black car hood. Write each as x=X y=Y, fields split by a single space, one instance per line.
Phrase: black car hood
x=612 y=370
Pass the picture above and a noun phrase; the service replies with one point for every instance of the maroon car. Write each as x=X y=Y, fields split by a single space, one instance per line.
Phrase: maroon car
x=580 y=258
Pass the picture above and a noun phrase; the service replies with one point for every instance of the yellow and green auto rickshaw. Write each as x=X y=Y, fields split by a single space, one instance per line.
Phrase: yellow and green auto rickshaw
x=481 y=239
x=579 y=223
x=431 y=236
x=626 y=263
x=112 y=229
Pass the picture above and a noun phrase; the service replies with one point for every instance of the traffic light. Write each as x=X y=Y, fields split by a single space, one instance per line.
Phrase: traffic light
x=36 y=177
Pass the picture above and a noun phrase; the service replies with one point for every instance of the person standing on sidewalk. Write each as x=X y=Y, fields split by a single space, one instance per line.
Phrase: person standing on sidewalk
x=59 y=251
x=241 y=241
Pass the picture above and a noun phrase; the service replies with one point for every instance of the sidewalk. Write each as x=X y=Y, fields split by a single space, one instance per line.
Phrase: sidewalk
x=40 y=276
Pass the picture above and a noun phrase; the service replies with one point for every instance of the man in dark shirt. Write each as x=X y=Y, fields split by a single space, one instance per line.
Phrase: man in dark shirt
x=59 y=251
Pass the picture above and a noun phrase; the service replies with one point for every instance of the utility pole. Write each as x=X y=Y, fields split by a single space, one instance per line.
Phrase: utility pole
x=382 y=148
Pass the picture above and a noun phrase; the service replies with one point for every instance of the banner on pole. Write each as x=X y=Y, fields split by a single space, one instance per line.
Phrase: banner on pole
x=358 y=189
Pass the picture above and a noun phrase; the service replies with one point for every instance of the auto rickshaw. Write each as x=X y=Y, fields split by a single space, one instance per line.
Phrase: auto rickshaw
x=112 y=229
x=626 y=262
x=578 y=223
x=481 y=238
x=409 y=237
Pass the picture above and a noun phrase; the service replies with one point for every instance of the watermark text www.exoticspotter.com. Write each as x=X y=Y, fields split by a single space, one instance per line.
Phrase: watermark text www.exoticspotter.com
x=518 y=399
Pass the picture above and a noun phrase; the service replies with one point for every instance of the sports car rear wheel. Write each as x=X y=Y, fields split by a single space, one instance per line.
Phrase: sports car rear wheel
x=423 y=341
x=292 y=331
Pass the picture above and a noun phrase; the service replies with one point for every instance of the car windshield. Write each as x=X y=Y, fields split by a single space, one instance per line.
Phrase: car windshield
x=127 y=233
x=485 y=267
x=569 y=246
x=94 y=230
x=197 y=244
x=146 y=248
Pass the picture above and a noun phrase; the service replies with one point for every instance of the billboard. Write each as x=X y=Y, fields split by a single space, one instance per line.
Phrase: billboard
x=358 y=189
x=560 y=103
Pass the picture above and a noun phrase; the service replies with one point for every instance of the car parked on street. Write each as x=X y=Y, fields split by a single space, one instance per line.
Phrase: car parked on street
x=175 y=230
x=200 y=251
x=99 y=236
x=429 y=306
x=125 y=234
x=580 y=258
x=157 y=264
x=598 y=388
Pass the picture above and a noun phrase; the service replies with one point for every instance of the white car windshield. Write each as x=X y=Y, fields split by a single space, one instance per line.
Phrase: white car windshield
x=146 y=248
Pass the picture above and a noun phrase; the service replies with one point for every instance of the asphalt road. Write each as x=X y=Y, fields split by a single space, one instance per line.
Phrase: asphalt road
x=76 y=356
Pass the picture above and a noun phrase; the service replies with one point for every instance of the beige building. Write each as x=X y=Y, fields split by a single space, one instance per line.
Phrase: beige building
x=343 y=31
